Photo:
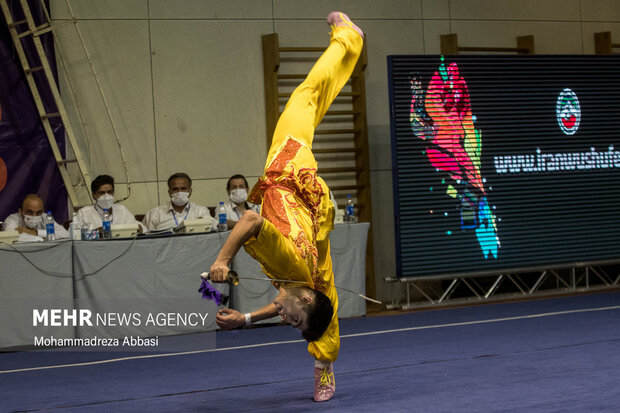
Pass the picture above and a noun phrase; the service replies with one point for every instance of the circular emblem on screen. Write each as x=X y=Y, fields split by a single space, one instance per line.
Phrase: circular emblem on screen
x=568 y=112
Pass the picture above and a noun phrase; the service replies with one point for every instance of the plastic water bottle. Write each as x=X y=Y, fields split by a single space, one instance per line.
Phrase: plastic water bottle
x=106 y=229
x=75 y=228
x=349 y=212
x=221 y=215
x=49 y=226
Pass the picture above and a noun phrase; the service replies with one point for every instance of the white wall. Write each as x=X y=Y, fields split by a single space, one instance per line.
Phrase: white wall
x=184 y=79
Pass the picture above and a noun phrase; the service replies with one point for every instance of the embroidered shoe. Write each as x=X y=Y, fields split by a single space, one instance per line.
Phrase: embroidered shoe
x=338 y=18
x=324 y=383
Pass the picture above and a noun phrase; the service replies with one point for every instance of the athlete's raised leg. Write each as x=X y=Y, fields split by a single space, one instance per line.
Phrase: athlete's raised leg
x=311 y=99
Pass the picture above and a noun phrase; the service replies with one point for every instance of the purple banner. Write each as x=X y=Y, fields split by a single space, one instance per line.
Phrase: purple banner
x=27 y=164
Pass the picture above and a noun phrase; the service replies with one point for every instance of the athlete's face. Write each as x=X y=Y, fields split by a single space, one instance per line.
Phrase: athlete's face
x=291 y=308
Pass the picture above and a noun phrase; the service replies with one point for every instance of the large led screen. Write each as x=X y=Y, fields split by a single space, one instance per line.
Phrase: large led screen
x=504 y=162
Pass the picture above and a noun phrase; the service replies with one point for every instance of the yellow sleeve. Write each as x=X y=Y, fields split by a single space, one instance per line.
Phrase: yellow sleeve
x=277 y=255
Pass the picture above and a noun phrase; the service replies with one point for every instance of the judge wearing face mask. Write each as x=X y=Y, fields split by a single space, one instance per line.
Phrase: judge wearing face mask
x=91 y=217
x=179 y=208
x=237 y=189
x=31 y=219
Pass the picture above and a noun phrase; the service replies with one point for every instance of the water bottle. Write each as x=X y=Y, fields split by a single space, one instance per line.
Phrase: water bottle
x=221 y=215
x=106 y=228
x=349 y=212
x=49 y=226
x=75 y=228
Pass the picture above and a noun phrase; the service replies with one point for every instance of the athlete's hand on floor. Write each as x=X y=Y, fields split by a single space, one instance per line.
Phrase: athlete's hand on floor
x=227 y=318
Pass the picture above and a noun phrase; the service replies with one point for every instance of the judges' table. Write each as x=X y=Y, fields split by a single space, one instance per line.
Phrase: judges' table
x=152 y=283
x=33 y=277
x=146 y=286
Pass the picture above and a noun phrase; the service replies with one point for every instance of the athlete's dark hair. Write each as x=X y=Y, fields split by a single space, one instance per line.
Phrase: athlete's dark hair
x=320 y=314
x=100 y=181
x=180 y=175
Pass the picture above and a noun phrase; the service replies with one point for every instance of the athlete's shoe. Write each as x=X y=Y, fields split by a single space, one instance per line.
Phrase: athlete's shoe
x=324 y=383
x=338 y=18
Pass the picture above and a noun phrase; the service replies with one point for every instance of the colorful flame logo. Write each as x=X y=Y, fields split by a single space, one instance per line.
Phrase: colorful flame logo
x=568 y=111
x=442 y=117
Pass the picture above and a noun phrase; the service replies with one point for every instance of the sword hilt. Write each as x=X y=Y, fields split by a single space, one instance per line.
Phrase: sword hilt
x=232 y=278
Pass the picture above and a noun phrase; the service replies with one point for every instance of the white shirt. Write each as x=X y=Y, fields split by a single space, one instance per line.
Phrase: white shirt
x=231 y=210
x=165 y=217
x=15 y=220
x=91 y=216
x=333 y=198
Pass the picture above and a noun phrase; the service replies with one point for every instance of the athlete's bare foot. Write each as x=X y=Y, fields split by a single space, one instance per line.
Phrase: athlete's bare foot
x=338 y=18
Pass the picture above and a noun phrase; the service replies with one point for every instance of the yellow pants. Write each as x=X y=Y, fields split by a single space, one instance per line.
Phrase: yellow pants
x=310 y=100
x=293 y=243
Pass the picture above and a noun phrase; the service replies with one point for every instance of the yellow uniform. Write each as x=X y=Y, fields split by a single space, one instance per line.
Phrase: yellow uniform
x=293 y=242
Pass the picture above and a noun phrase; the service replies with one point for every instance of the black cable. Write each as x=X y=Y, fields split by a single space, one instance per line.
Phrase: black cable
x=63 y=275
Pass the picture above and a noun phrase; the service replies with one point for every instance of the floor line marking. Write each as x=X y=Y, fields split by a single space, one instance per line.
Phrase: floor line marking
x=397 y=330
x=493 y=320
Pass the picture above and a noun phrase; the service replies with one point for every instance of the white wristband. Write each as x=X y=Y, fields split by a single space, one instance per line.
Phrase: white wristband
x=248 y=319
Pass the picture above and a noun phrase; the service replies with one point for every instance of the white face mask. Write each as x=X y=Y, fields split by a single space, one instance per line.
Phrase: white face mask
x=180 y=198
x=32 y=221
x=239 y=195
x=105 y=201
